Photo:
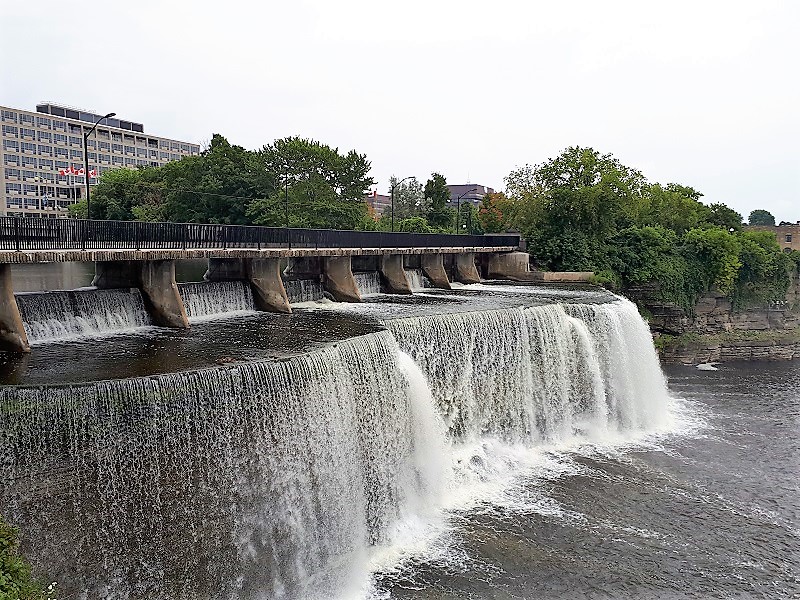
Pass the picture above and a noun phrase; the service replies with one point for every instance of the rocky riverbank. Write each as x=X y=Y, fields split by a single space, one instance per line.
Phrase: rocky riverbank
x=729 y=346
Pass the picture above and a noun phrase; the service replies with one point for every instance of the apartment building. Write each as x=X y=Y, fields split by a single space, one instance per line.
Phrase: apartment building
x=42 y=168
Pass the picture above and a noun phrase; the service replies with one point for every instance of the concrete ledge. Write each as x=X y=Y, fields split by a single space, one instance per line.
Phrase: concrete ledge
x=40 y=256
x=509 y=265
x=13 y=337
x=561 y=276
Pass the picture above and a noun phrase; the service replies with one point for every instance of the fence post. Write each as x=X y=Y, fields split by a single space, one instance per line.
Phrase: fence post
x=184 y=235
x=137 y=239
x=85 y=228
x=16 y=233
x=224 y=237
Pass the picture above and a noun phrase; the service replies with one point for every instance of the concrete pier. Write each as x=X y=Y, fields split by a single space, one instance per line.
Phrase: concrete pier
x=465 y=269
x=161 y=295
x=394 y=275
x=433 y=267
x=269 y=294
x=339 y=280
x=13 y=337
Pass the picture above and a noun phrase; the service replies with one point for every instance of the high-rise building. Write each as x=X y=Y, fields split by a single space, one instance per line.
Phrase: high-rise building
x=42 y=168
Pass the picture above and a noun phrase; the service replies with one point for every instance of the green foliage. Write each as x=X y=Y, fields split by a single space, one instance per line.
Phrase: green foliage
x=761 y=217
x=409 y=199
x=16 y=582
x=496 y=212
x=586 y=211
x=468 y=220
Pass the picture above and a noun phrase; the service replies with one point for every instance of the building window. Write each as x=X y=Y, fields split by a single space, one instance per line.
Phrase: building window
x=11 y=145
x=10 y=159
x=28 y=147
x=76 y=155
x=141 y=152
x=62 y=153
x=130 y=150
x=174 y=156
x=29 y=161
x=59 y=138
x=75 y=141
x=29 y=175
x=788 y=238
x=93 y=156
x=10 y=131
x=163 y=145
x=27 y=133
x=129 y=139
x=43 y=122
x=153 y=153
x=12 y=173
x=45 y=150
x=60 y=125
x=103 y=134
x=91 y=144
x=117 y=160
x=8 y=115
x=25 y=119
x=13 y=188
x=105 y=146
x=45 y=136
x=116 y=137
x=75 y=129
x=130 y=162
x=116 y=148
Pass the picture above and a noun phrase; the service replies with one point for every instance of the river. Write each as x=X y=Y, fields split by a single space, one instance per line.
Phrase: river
x=493 y=441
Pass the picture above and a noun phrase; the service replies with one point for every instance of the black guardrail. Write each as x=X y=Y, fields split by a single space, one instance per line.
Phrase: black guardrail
x=19 y=233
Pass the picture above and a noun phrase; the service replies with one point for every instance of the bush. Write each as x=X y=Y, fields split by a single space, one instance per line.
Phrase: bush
x=16 y=582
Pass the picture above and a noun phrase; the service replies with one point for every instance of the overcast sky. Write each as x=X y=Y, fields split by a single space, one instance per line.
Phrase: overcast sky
x=705 y=94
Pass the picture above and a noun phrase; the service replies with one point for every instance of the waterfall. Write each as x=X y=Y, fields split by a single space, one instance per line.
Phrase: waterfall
x=52 y=316
x=214 y=299
x=259 y=480
x=286 y=479
x=539 y=375
x=303 y=290
x=368 y=283
x=417 y=280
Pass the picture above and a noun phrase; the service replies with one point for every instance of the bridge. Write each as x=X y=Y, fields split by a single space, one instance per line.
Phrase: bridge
x=130 y=254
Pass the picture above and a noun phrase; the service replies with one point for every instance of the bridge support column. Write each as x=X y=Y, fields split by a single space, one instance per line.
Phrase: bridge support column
x=433 y=267
x=12 y=332
x=394 y=275
x=161 y=295
x=269 y=293
x=509 y=265
x=339 y=280
x=466 y=272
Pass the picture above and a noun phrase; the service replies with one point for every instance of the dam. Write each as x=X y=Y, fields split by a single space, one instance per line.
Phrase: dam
x=439 y=440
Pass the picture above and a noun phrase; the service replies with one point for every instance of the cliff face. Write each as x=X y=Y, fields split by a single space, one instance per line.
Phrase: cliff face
x=715 y=332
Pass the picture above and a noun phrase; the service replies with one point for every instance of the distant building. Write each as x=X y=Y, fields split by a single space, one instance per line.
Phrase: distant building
x=787 y=234
x=472 y=193
x=379 y=203
x=42 y=169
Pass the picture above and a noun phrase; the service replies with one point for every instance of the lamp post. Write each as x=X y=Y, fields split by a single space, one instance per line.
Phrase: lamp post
x=86 y=160
x=458 y=205
x=396 y=183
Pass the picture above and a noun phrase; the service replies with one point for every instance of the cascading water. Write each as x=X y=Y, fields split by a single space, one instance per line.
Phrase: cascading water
x=303 y=290
x=417 y=280
x=368 y=283
x=58 y=316
x=286 y=479
x=214 y=299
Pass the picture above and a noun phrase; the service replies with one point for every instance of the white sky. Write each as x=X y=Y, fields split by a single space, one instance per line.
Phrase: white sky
x=701 y=93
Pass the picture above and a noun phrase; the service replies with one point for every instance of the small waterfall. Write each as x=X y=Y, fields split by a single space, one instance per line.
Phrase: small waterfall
x=303 y=290
x=277 y=478
x=55 y=316
x=368 y=283
x=214 y=299
x=417 y=280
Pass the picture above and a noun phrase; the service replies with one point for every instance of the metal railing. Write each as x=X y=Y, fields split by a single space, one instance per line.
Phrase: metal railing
x=20 y=233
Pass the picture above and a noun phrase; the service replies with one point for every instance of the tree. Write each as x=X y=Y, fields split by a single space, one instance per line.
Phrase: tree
x=437 y=195
x=761 y=217
x=325 y=188
x=724 y=216
x=409 y=198
x=468 y=220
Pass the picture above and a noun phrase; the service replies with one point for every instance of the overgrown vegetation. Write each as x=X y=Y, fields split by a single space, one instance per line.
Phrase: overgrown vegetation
x=586 y=211
x=16 y=582
x=666 y=342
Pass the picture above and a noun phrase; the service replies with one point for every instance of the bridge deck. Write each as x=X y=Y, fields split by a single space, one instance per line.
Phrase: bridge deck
x=43 y=256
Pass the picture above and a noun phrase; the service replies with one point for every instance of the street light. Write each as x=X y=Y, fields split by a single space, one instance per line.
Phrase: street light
x=396 y=183
x=458 y=205
x=86 y=160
